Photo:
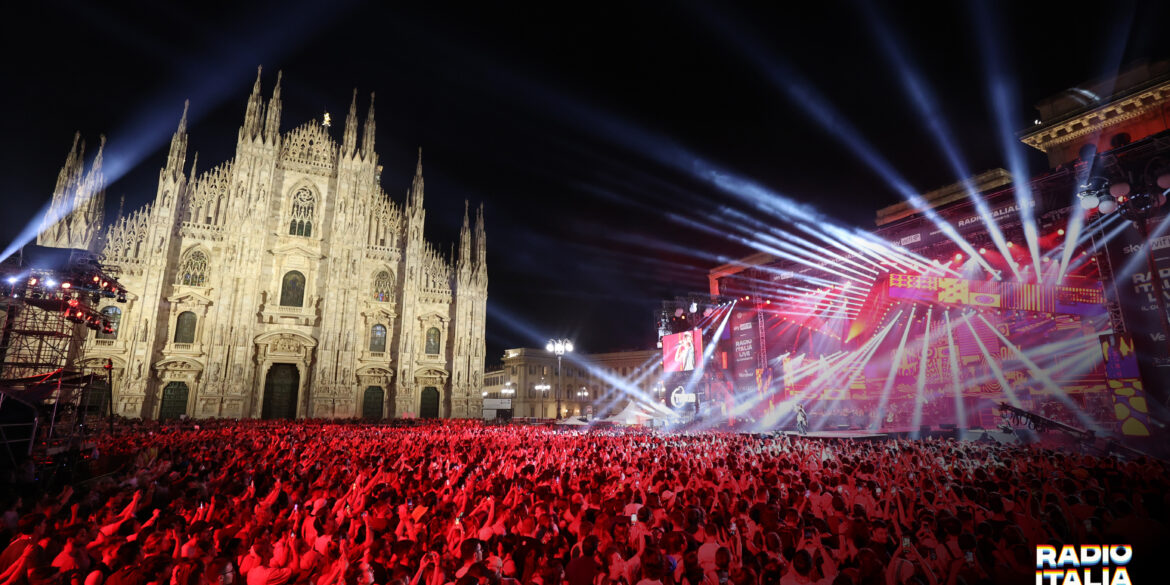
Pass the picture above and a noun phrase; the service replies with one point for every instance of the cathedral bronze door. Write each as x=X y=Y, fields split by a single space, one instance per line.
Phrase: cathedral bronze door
x=280 y=392
x=372 y=403
x=174 y=401
x=428 y=406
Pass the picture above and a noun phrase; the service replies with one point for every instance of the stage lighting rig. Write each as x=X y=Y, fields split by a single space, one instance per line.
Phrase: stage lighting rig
x=1137 y=197
x=92 y=278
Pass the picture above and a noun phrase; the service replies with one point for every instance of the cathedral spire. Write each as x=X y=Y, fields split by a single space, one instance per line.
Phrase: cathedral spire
x=465 y=242
x=91 y=200
x=75 y=214
x=177 y=157
x=254 y=115
x=71 y=171
x=480 y=242
x=416 y=186
x=95 y=176
x=272 y=123
x=194 y=164
x=349 y=139
x=368 y=133
x=54 y=226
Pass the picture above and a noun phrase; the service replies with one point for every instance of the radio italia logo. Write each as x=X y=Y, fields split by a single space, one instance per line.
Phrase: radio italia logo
x=1089 y=564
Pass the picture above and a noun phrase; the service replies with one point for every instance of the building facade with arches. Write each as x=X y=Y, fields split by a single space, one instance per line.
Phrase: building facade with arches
x=283 y=283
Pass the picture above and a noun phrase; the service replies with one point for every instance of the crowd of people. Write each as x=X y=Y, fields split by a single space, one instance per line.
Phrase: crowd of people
x=462 y=503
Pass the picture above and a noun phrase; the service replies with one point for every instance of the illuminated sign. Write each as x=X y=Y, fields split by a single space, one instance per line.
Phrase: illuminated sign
x=679 y=397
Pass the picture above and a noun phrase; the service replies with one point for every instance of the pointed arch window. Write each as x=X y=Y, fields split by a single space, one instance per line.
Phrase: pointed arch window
x=378 y=338
x=185 y=327
x=433 y=340
x=114 y=316
x=382 y=285
x=193 y=269
x=303 y=212
x=292 y=289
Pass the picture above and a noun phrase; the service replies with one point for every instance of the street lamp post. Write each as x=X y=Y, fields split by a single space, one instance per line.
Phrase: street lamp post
x=582 y=397
x=559 y=347
x=543 y=388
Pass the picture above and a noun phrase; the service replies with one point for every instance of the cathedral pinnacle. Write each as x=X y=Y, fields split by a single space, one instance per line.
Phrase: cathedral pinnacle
x=95 y=170
x=349 y=139
x=480 y=242
x=183 y=120
x=256 y=86
x=368 y=133
x=254 y=115
x=272 y=122
x=178 y=153
x=73 y=150
x=71 y=164
x=416 y=186
x=465 y=242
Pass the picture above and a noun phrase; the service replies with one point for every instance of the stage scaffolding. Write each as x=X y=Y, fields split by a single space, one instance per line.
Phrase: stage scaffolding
x=47 y=403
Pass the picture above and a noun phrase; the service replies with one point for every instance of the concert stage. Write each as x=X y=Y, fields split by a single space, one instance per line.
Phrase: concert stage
x=856 y=435
x=904 y=433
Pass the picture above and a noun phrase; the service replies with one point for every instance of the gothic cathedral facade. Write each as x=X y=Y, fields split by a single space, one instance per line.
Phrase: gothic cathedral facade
x=283 y=283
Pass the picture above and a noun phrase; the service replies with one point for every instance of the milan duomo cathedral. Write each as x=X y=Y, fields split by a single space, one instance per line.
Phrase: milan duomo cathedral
x=283 y=283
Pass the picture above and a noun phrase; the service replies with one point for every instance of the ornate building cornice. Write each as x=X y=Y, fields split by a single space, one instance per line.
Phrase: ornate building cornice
x=1097 y=120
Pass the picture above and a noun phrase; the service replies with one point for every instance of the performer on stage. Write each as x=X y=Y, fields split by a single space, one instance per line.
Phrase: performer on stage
x=801 y=420
x=684 y=352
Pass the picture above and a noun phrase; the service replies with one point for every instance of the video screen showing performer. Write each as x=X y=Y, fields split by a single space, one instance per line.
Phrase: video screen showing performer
x=680 y=351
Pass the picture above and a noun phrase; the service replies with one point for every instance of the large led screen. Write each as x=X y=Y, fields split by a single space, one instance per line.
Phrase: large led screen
x=681 y=351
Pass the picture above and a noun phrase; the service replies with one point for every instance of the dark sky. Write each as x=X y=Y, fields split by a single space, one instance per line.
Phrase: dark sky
x=566 y=120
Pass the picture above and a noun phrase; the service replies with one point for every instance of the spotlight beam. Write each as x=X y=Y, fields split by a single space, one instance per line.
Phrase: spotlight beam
x=888 y=387
x=1042 y=376
x=788 y=81
x=956 y=385
x=930 y=112
x=867 y=354
x=994 y=366
x=920 y=387
x=1002 y=92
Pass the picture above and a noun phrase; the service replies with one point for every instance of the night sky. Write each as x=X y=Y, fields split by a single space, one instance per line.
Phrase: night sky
x=565 y=120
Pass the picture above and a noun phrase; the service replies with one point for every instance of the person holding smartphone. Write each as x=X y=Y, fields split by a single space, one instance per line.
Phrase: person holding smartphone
x=906 y=563
x=804 y=566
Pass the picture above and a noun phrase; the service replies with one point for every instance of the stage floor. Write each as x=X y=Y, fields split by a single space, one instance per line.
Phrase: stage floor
x=857 y=435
